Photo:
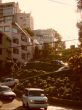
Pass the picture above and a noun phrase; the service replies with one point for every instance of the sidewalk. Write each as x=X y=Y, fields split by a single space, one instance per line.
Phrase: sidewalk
x=65 y=102
x=0 y=103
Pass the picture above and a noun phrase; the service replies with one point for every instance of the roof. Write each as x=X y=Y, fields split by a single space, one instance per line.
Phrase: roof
x=34 y=89
x=3 y=86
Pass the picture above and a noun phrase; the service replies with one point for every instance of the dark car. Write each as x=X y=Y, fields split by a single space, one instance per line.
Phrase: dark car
x=6 y=93
x=57 y=63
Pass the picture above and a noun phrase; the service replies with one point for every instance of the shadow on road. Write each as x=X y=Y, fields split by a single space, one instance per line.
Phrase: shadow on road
x=5 y=101
x=22 y=108
x=19 y=108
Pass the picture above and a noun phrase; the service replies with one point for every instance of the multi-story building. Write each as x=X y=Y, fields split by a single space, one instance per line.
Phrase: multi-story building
x=21 y=42
x=10 y=25
x=25 y=20
x=8 y=10
x=45 y=36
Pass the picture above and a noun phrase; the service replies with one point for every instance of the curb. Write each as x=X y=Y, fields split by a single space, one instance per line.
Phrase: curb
x=65 y=102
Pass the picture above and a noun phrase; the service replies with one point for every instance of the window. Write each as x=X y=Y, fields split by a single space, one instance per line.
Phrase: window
x=23 y=47
x=8 y=39
x=8 y=19
x=15 y=41
x=8 y=52
x=15 y=51
x=6 y=28
x=7 y=11
x=1 y=20
x=1 y=28
x=23 y=56
x=1 y=38
x=35 y=93
x=14 y=30
x=0 y=51
x=21 y=17
x=23 y=38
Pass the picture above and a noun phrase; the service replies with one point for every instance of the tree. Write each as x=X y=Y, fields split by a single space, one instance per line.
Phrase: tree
x=47 y=51
x=79 y=24
x=36 y=53
x=75 y=63
x=29 y=31
x=59 y=45
x=79 y=5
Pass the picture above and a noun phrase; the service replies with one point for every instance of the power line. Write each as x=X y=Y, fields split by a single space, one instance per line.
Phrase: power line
x=59 y=2
x=41 y=43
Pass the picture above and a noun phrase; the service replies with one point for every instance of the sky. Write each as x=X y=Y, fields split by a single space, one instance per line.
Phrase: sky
x=60 y=15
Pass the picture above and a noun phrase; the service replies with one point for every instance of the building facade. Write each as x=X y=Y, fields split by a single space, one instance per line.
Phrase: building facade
x=12 y=25
x=25 y=20
x=5 y=50
x=45 y=36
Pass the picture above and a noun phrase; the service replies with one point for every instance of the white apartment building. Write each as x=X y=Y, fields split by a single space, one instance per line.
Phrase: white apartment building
x=25 y=20
x=20 y=40
x=45 y=36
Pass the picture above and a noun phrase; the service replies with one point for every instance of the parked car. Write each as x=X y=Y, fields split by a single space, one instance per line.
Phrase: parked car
x=64 y=68
x=34 y=98
x=6 y=93
x=9 y=82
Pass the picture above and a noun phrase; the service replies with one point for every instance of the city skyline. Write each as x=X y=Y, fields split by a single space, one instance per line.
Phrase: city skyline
x=61 y=16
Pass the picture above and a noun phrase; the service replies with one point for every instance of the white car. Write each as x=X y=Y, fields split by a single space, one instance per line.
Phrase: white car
x=9 y=82
x=34 y=98
x=6 y=93
x=64 y=68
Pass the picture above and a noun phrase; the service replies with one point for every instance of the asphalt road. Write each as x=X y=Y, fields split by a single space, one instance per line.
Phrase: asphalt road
x=17 y=105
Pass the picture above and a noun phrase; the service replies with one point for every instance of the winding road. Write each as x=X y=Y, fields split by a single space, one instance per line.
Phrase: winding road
x=17 y=105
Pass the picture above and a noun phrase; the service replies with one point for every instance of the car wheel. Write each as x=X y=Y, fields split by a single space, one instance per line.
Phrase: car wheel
x=23 y=104
x=28 y=108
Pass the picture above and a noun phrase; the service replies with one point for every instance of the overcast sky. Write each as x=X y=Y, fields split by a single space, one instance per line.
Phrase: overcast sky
x=60 y=15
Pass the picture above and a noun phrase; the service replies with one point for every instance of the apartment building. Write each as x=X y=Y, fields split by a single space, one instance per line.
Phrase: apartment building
x=25 y=20
x=20 y=40
x=45 y=36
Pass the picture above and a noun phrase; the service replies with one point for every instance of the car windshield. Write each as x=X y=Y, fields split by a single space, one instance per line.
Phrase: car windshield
x=36 y=93
x=5 y=89
x=7 y=79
